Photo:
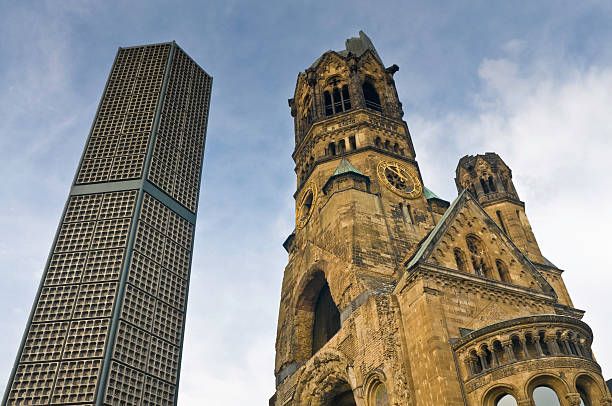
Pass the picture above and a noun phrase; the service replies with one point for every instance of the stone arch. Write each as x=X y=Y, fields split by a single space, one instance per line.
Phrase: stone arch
x=326 y=378
x=546 y=379
x=496 y=392
x=317 y=317
x=586 y=384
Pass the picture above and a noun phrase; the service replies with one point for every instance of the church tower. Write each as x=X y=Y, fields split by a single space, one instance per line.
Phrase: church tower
x=393 y=296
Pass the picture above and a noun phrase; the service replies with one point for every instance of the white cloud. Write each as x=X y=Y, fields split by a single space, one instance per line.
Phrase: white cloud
x=552 y=126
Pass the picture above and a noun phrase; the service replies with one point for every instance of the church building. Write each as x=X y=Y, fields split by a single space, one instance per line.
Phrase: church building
x=394 y=296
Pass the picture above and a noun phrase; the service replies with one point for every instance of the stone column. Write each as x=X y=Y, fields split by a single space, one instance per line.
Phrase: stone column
x=573 y=399
x=483 y=360
x=536 y=340
x=577 y=347
x=551 y=344
x=509 y=351
x=524 y=344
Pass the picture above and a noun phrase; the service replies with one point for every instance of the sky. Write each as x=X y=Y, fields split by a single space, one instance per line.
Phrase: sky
x=531 y=81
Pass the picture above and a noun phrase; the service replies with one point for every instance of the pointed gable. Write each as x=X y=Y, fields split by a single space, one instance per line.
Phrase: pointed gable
x=468 y=240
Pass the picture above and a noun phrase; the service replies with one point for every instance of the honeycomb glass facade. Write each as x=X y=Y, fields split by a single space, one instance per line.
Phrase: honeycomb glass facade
x=107 y=324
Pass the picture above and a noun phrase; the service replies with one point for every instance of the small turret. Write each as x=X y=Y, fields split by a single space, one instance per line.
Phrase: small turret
x=489 y=179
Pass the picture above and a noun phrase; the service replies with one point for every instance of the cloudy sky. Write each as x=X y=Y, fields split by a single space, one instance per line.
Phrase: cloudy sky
x=531 y=81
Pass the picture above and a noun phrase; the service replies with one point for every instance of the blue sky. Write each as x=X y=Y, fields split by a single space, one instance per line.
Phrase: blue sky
x=529 y=80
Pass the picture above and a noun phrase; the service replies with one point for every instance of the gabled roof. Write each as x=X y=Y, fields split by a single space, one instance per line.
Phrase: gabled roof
x=344 y=167
x=430 y=195
x=430 y=242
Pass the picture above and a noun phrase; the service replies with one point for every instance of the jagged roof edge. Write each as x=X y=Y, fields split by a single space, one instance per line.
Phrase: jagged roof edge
x=441 y=226
x=430 y=237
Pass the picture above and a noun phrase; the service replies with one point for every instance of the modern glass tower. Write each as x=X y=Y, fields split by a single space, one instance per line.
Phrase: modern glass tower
x=107 y=324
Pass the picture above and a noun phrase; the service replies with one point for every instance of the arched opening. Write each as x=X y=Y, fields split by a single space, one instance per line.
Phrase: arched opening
x=545 y=396
x=341 y=146
x=326 y=319
x=318 y=318
x=378 y=395
x=337 y=100
x=340 y=395
x=388 y=145
x=478 y=256
x=502 y=269
x=506 y=400
x=460 y=259
x=378 y=142
x=329 y=110
x=352 y=142
x=485 y=187
x=588 y=389
x=372 y=99
x=396 y=148
x=492 y=184
x=346 y=98
x=331 y=149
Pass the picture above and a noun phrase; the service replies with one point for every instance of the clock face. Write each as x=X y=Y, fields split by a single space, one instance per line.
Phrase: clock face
x=400 y=179
x=305 y=204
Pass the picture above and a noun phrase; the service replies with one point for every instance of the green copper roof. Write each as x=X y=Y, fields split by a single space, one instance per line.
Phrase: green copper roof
x=346 y=167
x=430 y=195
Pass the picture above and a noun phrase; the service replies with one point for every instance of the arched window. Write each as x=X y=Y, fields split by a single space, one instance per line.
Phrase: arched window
x=387 y=145
x=485 y=187
x=377 y=142
x=329 y=110
x=346 y=98
x=545 y=396
x=379 y=395
x=331 y=149
x=337 y=100
x=396 y=148
x=326 y=319
x=460 y=259
x=352 y=142
x=502 y=269
x=341 y=146
x=478 y=256
x=372 y=99
x=506 y=400
x=492 y=184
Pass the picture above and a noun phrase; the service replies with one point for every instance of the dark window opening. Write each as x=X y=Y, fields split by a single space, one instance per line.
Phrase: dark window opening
x=346 y=98
x=328 y=104
x=485 y=187
x=377 y=142
x=341 y=146
x=352 y=142
x=492 y=184
x=477 y=252
x=372 y=99
x=387 y=145
x=460 y=259
x=396 y=148
x=503 y=271
x=326 y=319
x=332 y=149
x=337 y=100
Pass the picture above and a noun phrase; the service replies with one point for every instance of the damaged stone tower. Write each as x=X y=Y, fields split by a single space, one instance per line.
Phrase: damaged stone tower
x=393 y=296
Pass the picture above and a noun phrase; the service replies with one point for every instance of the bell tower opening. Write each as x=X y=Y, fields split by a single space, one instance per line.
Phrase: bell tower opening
x=326 y=319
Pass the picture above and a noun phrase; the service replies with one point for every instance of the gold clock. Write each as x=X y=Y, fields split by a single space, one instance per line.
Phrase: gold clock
x=399 y=178
x=305 y=204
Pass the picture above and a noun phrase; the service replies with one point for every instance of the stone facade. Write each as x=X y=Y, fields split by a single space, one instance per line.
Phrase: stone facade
x=393 y=296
